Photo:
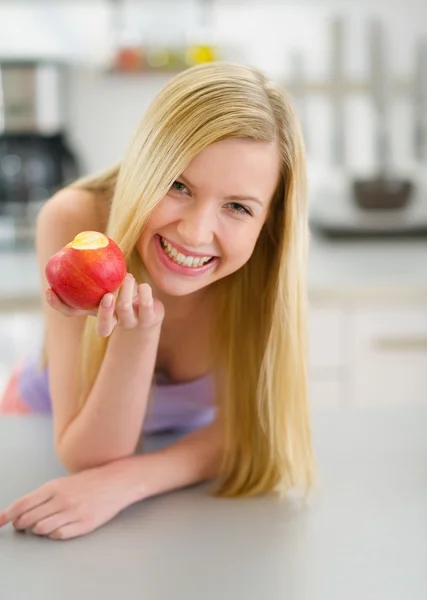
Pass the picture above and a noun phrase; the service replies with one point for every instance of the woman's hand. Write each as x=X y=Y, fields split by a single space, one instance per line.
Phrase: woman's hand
x=73 y=505
x=131 y=307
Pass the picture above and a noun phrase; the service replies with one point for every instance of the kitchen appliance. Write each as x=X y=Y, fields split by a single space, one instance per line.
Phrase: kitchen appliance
x=36 y=157
x=384 y=190
x=420 y=102
x=338 y=35
x=389 y=203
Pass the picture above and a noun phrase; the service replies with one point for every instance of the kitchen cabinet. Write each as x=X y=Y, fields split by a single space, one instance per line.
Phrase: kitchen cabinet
x=368 y=356
x=389 y=356
x=327 y=362
x=326 y=393
x=326 y=326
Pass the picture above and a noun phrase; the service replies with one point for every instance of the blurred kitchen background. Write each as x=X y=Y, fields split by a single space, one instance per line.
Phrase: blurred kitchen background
x=76 y=77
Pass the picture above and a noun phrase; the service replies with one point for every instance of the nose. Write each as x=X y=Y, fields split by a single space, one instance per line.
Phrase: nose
x=196 y=227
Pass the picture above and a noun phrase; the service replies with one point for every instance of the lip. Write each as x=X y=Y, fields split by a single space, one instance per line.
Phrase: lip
x=171 y=265
x=184 y=250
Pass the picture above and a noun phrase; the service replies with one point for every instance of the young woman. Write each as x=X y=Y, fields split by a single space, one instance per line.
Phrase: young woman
x=208 y=332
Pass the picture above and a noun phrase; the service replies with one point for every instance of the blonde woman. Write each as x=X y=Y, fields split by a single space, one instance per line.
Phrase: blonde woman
x=207 y=335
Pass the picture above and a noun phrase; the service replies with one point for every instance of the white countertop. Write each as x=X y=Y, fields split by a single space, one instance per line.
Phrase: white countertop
x=362 y=535
x=338 y=270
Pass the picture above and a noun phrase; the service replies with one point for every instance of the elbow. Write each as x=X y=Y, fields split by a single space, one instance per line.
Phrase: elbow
x=75 y=461
x=77 y=454
x=71 y=461
x=70 y=456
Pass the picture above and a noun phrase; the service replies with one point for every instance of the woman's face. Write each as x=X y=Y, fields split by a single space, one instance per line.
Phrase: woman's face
x=207 y=225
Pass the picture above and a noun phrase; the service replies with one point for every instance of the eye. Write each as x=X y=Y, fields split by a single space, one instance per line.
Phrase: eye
x=179 y=187
x=239 y=208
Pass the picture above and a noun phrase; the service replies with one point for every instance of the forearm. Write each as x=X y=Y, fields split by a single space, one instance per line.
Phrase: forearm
x=109 y=424
x=193 y=459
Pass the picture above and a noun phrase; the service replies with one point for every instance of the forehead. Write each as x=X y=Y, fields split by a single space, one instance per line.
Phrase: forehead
x=237 y=166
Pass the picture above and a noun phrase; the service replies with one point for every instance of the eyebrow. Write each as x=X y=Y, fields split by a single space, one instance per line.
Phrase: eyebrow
x=233 y=197
x=245 y=199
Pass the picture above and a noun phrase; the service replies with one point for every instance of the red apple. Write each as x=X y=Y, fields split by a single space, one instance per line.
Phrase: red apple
x=85 y=269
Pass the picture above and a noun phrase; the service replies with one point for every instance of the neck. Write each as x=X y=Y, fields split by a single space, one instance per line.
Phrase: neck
x=183 y=308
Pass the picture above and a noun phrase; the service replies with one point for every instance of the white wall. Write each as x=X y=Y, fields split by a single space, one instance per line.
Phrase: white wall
x=104 y=109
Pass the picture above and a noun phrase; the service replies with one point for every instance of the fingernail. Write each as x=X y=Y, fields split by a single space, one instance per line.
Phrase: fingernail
x=107 y=300
x=147 y=300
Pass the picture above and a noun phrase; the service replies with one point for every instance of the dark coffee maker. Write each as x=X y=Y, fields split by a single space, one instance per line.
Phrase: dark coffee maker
x=35 y=156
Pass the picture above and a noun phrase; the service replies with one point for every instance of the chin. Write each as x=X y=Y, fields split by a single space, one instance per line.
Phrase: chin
x=173 y=287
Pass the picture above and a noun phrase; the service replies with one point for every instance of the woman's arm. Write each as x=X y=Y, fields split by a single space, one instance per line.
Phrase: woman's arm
x=109 y=424
x=80 y=503
x=193 y=459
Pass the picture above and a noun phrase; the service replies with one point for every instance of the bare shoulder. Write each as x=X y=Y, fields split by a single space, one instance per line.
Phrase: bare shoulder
x=72 y=208
x=66 y=214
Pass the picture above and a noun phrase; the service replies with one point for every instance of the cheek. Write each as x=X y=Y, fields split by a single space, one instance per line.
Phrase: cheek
x=161 y=215
x=154 y=223
x=239 y=248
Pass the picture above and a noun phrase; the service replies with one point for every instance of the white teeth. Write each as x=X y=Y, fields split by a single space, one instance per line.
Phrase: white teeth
x=182 y=259
x=172 y=251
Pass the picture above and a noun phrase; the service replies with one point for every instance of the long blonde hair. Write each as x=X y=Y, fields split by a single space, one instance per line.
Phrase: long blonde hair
x=259 y=343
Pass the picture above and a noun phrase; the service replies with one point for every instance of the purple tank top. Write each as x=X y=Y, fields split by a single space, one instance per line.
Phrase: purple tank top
x=173 y=406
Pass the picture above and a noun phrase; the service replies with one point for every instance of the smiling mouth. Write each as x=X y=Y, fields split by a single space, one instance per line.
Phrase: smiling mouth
x=184 y=260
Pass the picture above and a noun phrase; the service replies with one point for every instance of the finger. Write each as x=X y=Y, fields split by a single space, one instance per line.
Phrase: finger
x=106 y=319
x=72 y=530
x=151 y=311
x=68 y=311
x=145 y=304
x=26 y=503
x=54 y=302
x=31 y=517
x=50 y=524
x=124 y=307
